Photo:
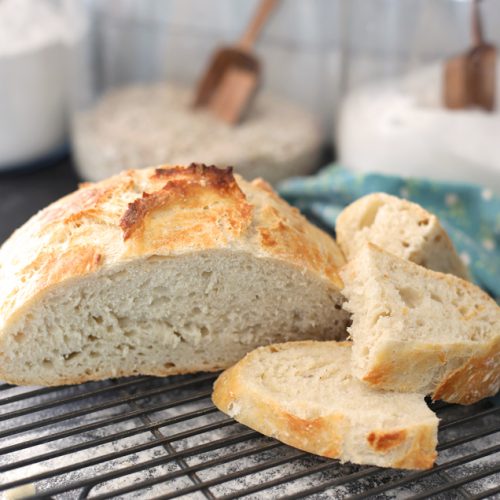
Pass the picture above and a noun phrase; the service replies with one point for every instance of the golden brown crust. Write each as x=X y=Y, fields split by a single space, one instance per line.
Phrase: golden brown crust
x=190 y=202
x=478 y=378
x=384 y=441
x=461 y=372
x=422 y=453
x=220 y=178
x=185 y=187
x=184 y=210
x=321 y=435
x=377 y=376
x=285 y=235
x=52 y=268
x=86 y=201
x=325 y=435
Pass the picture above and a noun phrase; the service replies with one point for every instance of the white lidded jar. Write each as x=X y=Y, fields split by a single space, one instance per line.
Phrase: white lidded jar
x=392 y=118
x=34 y=45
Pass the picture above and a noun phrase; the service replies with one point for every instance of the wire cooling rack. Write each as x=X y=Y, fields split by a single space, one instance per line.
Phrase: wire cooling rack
x=163 y=438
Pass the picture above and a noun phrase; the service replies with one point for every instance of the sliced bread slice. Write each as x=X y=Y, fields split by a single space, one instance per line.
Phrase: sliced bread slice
x=400 y=227
x=303 y=394
x=417 y=330
x=162 y=271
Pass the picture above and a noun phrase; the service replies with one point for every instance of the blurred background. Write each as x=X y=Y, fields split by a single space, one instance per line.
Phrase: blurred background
x=91 y=87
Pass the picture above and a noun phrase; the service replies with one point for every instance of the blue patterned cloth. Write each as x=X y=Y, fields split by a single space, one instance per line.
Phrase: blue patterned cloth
x=470 y=214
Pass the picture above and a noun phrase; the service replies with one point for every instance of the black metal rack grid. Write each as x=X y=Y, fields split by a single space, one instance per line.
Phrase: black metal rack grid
x=163 y=438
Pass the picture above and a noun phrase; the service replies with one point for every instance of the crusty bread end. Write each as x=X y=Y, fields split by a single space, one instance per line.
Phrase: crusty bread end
x=400 y=227
x=417 y=330
x=303 y=394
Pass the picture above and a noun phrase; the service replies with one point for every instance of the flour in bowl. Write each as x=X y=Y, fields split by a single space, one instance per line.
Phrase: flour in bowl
x=143 y=125
x=401 y=127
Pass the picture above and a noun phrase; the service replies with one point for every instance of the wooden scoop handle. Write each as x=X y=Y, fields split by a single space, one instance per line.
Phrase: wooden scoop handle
x=256 y=24
x=476 y=25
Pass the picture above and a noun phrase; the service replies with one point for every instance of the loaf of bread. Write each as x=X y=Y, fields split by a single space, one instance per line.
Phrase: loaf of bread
x=400 y=227
x=417 y=330
x=162 y=271
x=303 y=394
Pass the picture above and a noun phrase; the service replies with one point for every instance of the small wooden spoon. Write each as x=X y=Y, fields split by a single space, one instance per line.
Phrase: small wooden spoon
x=470 y=78
x=231 y=80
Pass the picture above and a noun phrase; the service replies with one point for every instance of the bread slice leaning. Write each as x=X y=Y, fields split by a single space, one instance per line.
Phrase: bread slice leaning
x=162 y=271
x=303 y=394
x=417 y=330
x=400 y=227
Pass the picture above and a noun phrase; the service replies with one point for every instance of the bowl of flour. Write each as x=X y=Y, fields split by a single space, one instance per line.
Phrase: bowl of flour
x=401 y=127
x=152 y=124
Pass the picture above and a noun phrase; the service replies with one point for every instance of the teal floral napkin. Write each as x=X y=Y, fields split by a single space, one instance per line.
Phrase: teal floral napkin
x=470 y=214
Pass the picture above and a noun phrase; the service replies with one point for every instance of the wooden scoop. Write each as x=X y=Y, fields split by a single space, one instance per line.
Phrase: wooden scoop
x=470 y=78
x=233 y=75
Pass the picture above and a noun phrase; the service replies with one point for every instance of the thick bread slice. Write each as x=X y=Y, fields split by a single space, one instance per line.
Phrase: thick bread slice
x=303 y=393
x=400 y=227
x=417 y=330
x=162 y=271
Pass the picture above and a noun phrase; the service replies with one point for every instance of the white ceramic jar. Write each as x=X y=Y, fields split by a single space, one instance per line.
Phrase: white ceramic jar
x=34 y=40
x=392 y=118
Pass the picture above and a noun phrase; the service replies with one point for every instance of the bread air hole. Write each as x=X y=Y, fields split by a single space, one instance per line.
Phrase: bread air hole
x=368 y=217
x=410 y=297
x=377 y=317
x=435 y=297
x=72 y=355
x=475 y=335
x=179 y=335
x=19 y=337
x=159 y=291
x=159 y=302
x=463 y=310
